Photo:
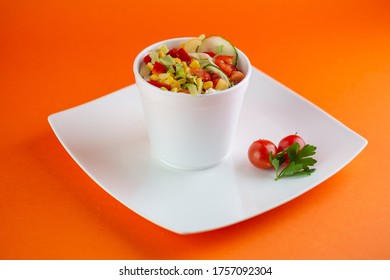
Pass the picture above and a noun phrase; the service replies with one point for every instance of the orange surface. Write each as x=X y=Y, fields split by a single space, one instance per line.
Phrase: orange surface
x=58 y=54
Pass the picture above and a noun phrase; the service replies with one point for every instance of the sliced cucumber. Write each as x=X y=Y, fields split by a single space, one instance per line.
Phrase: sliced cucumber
x=191 y=45
x=215 y=69
x=218 y=45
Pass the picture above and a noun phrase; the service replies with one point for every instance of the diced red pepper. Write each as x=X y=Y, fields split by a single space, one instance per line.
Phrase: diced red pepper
x=183 y=55
x=173 y=53
x=159 y=84
x=147 y=59
x=158 y=68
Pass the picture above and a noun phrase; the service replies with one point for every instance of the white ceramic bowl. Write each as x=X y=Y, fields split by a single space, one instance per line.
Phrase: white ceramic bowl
x=191 y=132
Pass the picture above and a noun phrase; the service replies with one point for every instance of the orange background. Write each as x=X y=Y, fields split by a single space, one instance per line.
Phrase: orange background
x=58 y=54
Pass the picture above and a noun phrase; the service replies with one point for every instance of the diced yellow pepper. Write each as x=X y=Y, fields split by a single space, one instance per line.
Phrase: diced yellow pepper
x=207 y=85
x=177 y=60
x=199 y=81
x=169 y=80
x=164 y=76
x=185 y=66
x=161 y=53
x=150 y=66
x=175 y=89
x=222 y=84
x=154 y=77
x=175 y=84
x=194 y=64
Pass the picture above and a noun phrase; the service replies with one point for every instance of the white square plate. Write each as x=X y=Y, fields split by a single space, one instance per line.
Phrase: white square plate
x=108 y=139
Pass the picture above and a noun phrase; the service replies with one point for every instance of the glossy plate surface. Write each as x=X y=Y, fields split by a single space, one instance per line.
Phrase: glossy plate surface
x=107 y=138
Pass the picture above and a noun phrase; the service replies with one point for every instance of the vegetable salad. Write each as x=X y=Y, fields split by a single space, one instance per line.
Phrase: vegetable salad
x=198 y=66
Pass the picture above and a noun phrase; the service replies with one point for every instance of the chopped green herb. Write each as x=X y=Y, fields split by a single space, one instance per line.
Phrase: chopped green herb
x=299 y=161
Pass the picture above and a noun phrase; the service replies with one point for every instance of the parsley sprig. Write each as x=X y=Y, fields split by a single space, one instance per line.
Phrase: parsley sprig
x=299 y=161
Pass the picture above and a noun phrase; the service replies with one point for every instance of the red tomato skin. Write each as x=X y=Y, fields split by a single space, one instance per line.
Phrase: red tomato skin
x=200 y=73
x=228 y=59
x=225 y=63
x=258 y=153
x=236 y=76
x=289 y=140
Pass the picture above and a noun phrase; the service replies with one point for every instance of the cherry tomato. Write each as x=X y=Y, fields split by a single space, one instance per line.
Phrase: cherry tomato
x=289 y=140
x=259 y=151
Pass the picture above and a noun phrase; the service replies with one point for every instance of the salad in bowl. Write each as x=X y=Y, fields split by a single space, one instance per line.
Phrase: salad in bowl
x=197 y=66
